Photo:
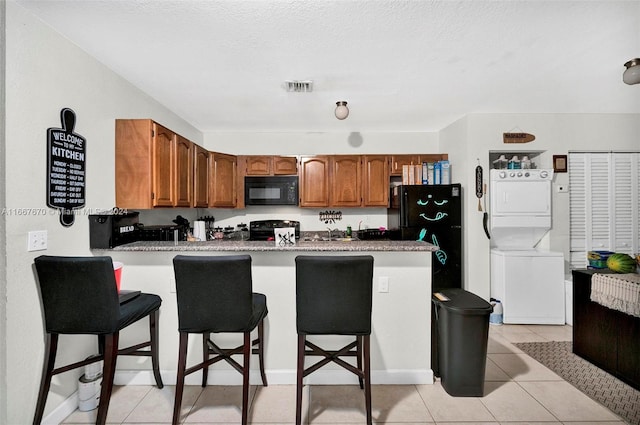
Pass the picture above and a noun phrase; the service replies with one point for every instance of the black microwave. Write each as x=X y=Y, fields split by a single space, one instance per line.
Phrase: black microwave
x=271 y=190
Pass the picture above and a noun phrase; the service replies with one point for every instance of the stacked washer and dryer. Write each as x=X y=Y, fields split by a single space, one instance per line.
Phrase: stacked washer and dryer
x=529 y=281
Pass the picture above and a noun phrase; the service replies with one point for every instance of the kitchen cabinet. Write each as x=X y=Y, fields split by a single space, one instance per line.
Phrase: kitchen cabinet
x=314 y=181
x=397 y=161
x=183 y=172
x=200 y=177
x=222 y=180
x=145 y=164
x=285 y=165
x=345 y=180
x=265 y=165
x=375 y=181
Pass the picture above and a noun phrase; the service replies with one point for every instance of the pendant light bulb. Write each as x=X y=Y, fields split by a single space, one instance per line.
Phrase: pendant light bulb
x=342 y=111
x=632 y=73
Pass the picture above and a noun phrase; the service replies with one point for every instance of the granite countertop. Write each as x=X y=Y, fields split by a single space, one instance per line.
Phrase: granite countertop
x=229 y=245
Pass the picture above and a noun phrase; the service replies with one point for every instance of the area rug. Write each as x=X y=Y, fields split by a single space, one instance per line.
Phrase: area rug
x=602 y=387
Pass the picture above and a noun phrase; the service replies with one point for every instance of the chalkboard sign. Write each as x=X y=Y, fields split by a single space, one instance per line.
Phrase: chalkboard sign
x=66 y=154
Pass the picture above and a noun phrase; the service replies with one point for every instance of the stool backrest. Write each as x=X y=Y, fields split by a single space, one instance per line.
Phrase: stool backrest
x=214 y=293
x=79 y=294
x=334 y=294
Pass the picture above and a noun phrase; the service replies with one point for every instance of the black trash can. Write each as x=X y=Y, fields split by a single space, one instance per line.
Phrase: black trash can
x=461 y=333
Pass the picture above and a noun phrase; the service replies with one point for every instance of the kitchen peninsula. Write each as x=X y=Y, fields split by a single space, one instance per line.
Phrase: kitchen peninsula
x=400 y=340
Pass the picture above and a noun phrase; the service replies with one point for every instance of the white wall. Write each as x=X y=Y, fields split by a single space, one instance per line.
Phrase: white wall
x=45 y=73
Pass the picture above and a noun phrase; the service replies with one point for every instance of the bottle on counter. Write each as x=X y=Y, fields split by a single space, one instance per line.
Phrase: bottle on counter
x=348 y=234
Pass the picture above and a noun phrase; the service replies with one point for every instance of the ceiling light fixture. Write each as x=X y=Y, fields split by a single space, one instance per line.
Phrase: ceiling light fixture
x=342 y=111
x=632 y=73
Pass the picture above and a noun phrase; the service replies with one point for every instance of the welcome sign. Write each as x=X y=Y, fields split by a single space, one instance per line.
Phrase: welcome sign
x=66 y=154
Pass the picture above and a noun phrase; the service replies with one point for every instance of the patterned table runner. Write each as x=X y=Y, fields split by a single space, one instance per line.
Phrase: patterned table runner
x=617 y=291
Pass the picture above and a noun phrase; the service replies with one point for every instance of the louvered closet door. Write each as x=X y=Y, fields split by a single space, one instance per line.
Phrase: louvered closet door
x=604 y=197
x=624 y=205
x=578 y=209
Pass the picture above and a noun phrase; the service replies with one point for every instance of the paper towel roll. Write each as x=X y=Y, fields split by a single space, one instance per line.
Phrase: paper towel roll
x=199 y=231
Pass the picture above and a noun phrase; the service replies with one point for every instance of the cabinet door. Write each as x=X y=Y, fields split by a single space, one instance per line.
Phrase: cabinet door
x=258 y=165
x=222 y=181
x=375 y=183
x=200 y=177
x=314 y=181
x=164 y=145
x=184 y=172
x=397 y=161
x=134 y=158
x=285 y=165
x=346 y=181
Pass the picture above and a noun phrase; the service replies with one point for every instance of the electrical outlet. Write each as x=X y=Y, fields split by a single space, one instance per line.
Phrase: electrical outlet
x=172 y=285
x=383 y=284
x=37 y=240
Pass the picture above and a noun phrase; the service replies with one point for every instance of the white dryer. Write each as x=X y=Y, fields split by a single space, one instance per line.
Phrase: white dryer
x=528 y=281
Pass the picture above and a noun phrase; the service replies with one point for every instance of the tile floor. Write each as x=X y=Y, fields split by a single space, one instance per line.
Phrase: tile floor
x=518 y=390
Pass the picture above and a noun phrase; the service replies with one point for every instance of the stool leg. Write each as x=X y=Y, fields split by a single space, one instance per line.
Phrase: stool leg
x=108 y=372
x=359 y=358
x=367 y=377
x=182 y=364
x=51 y=346
x=246 y=351
x=299 y=376
x=154 y=334
x=205 y=357
x=261 y=351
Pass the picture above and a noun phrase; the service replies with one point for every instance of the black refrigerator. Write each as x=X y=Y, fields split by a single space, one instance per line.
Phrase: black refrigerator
x=431 y=213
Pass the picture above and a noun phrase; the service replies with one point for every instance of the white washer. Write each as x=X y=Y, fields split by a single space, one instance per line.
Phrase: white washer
x=529 y=282
x=530 y=285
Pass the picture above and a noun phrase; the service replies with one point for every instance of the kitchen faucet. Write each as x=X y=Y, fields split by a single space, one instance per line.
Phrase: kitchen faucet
x=331 y=232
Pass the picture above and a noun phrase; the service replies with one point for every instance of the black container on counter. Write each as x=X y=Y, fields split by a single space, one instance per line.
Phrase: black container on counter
x=110 y=230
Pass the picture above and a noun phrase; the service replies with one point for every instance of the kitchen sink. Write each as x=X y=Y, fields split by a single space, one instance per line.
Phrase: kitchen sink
x=329 y=239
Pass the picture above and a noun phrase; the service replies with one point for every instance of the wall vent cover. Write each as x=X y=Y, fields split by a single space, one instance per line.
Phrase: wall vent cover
x=299 y=86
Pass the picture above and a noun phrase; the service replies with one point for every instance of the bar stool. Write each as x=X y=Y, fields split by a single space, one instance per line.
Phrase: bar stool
x=215 y=295
x=334 y=297
x=79 y=296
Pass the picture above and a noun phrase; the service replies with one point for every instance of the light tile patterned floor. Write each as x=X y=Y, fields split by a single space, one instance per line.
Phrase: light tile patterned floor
x=518 y=389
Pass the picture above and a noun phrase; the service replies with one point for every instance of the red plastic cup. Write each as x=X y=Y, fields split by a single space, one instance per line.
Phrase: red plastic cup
x=117 y=270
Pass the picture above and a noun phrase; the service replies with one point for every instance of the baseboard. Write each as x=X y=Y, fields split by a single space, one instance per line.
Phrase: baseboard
x=63 y=410
x=279 y=377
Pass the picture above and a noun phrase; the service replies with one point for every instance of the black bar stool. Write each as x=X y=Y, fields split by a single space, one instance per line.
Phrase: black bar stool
x=79 y=296
x=215 y=295
x=334 y=297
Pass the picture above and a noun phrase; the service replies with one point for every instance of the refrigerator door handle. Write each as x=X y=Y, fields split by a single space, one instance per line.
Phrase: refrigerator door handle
x=404 y=219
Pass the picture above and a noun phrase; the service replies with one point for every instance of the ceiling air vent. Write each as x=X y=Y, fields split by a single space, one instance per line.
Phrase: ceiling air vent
x=298 y=86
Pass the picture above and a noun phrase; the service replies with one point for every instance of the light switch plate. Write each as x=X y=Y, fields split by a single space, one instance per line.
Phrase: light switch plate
x=37 y=240
x=383 y=284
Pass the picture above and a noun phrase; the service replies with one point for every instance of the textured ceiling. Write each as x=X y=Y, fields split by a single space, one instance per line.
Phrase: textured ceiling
x=401 y=65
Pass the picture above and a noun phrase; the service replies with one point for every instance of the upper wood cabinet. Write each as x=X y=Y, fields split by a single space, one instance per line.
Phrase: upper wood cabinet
x=222 y=180
x=265 y=165
x=285 y=165
x=397 y=161
x=184 y=172
x=145 y=164
x=345 y=181
x=200 y=177
x=375 y=181
x=314 y=181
